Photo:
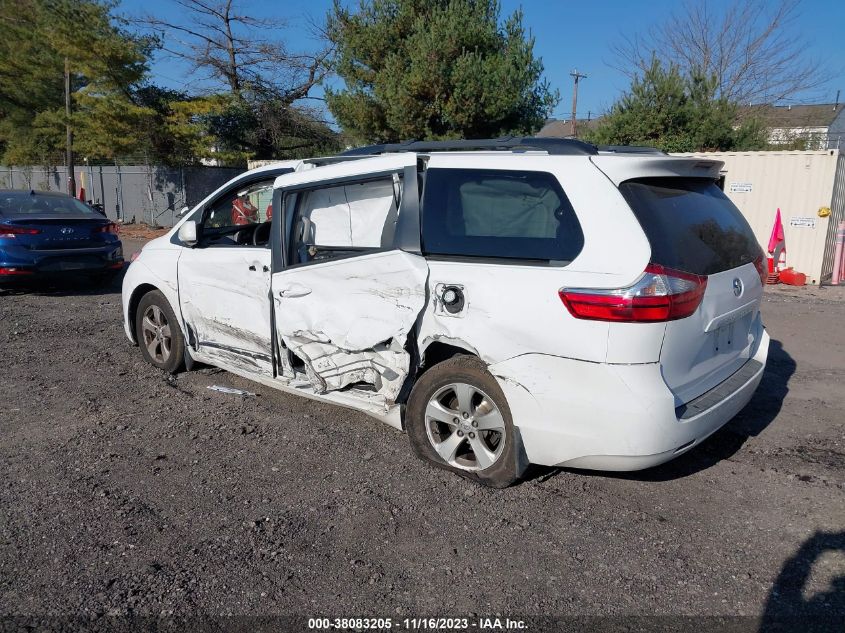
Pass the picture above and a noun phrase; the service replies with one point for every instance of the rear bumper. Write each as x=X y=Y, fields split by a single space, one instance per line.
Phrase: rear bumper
x=615 y=417
x=18 y=264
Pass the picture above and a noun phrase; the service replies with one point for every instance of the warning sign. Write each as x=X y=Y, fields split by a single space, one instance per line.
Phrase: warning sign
x=740 y=187
x=805 y=222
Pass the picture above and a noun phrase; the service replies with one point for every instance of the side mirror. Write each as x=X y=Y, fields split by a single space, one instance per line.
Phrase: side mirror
x=188 y=233
x=183 y=211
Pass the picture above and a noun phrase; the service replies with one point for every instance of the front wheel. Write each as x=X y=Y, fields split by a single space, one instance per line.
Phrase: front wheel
x=158 y=333
x=458 y=418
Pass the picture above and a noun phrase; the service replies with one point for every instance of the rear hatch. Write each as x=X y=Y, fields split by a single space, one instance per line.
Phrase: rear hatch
x=694 y=228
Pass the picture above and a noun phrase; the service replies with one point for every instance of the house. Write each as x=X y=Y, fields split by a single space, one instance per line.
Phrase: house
x=809 y=127
x=562 y=128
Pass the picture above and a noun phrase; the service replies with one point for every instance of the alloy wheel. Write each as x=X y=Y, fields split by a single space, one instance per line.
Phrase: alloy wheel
x=157 y=334
x=465 y=427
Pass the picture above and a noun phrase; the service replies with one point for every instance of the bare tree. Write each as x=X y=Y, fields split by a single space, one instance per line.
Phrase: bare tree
x=227 y=44
x=753 y=49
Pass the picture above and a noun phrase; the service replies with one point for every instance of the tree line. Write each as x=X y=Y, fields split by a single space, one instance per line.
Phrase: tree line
x=402 y=69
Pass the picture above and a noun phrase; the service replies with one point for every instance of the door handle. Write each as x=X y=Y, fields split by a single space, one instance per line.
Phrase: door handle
x=294 y=290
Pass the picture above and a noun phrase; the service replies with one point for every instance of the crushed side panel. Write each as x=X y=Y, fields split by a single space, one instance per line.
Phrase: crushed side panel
x=349 y=319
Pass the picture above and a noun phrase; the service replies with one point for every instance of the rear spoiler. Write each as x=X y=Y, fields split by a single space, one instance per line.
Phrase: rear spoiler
x=621 y=167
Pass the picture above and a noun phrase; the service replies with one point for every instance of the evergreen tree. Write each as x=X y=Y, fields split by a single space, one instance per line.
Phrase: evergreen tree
x=435 y=69
x=105 y=61
x=669 y=111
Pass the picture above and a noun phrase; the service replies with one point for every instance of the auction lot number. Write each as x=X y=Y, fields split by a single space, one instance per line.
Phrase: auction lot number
x=432 y=624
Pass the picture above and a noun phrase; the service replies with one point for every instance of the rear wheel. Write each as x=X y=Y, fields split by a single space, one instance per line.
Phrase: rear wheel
x=458 y=418
x=158 y=333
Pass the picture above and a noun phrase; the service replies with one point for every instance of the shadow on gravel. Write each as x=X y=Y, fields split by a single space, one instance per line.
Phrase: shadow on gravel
x=789 y=609
x=761 y=411
x=65 y=287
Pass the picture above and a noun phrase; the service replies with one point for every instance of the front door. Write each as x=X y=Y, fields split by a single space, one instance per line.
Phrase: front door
x=347 y=297
x=224 y=281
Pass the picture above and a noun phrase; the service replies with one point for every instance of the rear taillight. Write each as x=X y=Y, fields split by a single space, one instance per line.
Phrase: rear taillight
x=762 y=267
x=661 y=294
x=14 y=271
x=9 y=230
x=111 y=227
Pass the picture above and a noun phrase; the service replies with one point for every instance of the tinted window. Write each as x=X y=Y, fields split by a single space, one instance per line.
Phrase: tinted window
x=498 y=213
x=691 y=224
x=25 y=203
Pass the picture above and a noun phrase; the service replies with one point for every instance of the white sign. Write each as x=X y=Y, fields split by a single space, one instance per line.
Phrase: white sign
x=740 y=187
x=809 y=223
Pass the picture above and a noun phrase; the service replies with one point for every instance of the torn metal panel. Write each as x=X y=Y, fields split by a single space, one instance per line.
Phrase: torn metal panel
x=330 y=368
x=349 y=319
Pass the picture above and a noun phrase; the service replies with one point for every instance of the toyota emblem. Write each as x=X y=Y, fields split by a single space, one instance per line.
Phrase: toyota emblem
x=737 y=286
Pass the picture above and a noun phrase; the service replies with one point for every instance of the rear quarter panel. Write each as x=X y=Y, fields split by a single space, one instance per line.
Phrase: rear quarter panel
x=513 y=308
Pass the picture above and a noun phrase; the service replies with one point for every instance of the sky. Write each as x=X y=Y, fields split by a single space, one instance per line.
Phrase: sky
x=569 y=35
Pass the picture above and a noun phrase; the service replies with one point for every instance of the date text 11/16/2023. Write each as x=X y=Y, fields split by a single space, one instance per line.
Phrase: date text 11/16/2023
x=414 y=624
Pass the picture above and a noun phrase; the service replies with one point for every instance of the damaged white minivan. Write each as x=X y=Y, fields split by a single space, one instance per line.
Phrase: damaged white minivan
x=505 y=302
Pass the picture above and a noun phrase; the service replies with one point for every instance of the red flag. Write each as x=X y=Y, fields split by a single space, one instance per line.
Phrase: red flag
x=777 y=234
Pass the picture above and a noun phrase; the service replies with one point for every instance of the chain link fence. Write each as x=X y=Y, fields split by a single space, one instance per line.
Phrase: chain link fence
x=129 y=193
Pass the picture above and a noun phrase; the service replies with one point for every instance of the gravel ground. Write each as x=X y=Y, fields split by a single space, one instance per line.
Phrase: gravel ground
x=127 y=491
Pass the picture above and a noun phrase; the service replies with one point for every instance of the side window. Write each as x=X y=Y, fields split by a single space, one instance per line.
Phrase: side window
x=498 y=213
x=233 y=218
x=346 y=219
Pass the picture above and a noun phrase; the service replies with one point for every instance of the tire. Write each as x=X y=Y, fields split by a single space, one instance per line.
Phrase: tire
x=158 y=333
x=462 y=389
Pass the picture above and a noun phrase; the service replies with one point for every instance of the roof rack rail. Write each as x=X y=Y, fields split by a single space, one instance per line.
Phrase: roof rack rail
x=555 y=146
x=630 y=149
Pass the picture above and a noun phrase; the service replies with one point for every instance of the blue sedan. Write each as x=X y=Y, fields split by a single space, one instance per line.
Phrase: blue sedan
x=44 y=233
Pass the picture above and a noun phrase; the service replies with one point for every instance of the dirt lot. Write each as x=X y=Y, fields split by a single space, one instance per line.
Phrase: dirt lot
x=126 y=491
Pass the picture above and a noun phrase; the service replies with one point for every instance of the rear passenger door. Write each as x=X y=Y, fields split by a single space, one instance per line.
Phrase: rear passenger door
x=348 y=282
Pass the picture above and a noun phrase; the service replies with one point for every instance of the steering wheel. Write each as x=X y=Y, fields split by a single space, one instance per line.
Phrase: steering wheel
x=261 y=234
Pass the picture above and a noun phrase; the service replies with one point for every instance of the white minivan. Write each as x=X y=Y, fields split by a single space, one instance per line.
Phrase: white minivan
x=506 y=301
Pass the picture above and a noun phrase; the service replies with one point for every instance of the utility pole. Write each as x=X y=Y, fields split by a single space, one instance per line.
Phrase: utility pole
x=71 y=179
x=576 y=76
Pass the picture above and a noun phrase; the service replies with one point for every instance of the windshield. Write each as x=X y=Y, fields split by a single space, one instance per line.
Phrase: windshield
x=691 y=224
x=25 y=203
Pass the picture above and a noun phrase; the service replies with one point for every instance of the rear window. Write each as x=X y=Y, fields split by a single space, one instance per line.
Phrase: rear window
x=25 y=203
x=498 y=213
x=691 y=224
